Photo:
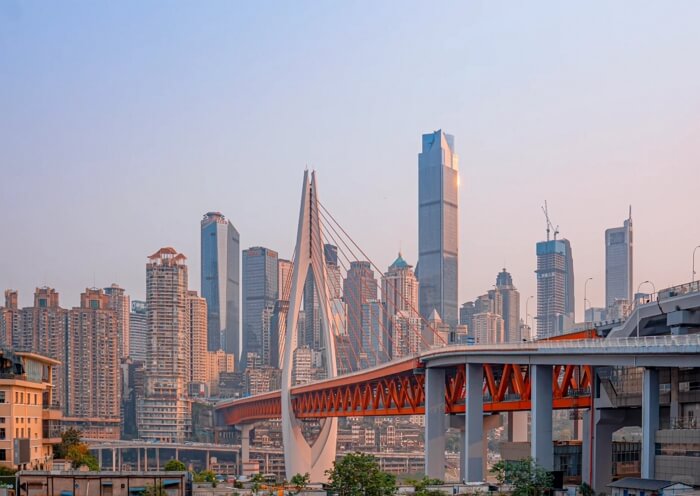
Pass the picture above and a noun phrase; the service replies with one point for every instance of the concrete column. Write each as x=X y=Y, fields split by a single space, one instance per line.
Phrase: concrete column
x=145 y=459
x=650 y=420
x=462 y=455
x=435 y=423
x=208 y=464
x=542 y=449
x=158 y=459
x=245 y=443
x=99 y=458
x=114 y=460
x=138 y=459
x=474 y=423
x=517 y=427
x=675 y=407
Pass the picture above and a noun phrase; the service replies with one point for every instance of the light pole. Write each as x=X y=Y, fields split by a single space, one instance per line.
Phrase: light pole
x=585 y=287
x=636 y=303
x=694 y=250
x=526 y=313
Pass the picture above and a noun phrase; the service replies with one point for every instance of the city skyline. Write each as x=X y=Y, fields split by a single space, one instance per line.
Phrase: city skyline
x=590 y=135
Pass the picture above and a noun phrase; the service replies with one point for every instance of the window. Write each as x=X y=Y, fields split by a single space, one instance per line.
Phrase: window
x=2 y=420
x=35 y=398
x=2 y=433
x=3 y=455
x=16 y=396
x=2 y=396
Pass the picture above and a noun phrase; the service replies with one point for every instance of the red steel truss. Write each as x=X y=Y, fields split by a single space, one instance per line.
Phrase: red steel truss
x=398 y=389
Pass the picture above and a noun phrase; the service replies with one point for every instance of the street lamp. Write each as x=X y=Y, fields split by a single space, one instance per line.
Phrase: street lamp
x=526 y=312
x=585 y=286
x=636 y=303
x=694 y=250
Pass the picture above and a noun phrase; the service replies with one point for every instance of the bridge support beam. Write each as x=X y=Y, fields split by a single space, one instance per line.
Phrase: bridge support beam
x=474 y=423
x=245 y=443
x=542 y=449
x=650 y=420
x=435 y=423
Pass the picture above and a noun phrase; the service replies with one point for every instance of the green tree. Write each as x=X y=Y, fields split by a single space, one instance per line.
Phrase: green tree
x=300 y=482
x=79 y=455
x=70 y=437
x=257 y=482
x=586 y=490
x=421 y=486
x=358 y=474
x=206 y=476
x=174 y=466
x=526 y=477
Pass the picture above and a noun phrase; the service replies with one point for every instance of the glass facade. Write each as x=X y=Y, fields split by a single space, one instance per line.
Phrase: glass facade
x=555 y=287
x=260 y=291
x=220 y=273
x=618 y=263
x=438 y=232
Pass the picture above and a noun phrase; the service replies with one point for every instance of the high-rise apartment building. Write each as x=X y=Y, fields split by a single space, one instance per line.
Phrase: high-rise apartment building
x=42 y=329
x=618 y=263
x=400 y=295
x=335 y=278
x=199 y=360
x=375 y=347
x=164 y=413
x=220 y=274
x=9 y=319
x=119 y=301
x=438 y=232
x=284 y=278
x=510 y=305
x=488 y=328
x=92 y=398
x=359 y=287
x=138 y=331
x=260 y=291
x=555 y=287
x=406 y=329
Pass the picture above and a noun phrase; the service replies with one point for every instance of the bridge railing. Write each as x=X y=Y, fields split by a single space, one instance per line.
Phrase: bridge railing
x=681 y=289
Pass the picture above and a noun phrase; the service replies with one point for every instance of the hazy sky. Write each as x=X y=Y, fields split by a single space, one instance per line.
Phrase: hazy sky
x=121 y=123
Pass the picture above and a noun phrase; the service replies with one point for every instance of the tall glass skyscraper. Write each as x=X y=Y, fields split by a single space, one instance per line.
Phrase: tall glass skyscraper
x=555 y=287
x=221 y=247
x=438 y=232
x=618 y=263
x=260 y=293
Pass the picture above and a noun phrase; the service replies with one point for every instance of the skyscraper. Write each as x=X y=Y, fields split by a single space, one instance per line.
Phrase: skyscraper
x=118 y=300
x=221 y=246
x=375 y=343
x=618 y=263
x=438 y=233
x=92 y=399
x=260 y=291
x=9 y=319
x=555 y=287
x=138 y=331
x=510 y=298
x=359 y=287
x=400 y=295
x=199 y=359
x=164 y=413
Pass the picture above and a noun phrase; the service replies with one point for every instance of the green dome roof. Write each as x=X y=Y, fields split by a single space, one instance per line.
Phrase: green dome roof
x=399 y=263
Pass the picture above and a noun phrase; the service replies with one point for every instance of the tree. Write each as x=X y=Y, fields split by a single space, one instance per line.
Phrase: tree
x=206 y=476
x=526 y=477
x=257 y=482
x=358 y=474
x=79 y=455
x=421 y=486
x=69 y=437
x=300 y=482
x=586 y=490
x=174 y=466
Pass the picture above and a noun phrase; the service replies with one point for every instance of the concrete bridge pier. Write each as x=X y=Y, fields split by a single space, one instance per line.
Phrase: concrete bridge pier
x=435 y=423
x=650 y=420
x=473 y=470
x=542 y=449
x=245 y=443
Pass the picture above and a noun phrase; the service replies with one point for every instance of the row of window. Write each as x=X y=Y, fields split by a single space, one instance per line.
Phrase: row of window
x=20 y=398
x=19 y=433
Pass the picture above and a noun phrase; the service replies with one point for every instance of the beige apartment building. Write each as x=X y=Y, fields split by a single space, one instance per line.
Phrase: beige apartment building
x=164 y=413
x=26 y=416
x=93 y=394
x=199 y=360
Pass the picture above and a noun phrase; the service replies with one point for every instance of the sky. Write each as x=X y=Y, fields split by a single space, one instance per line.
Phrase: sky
x=122 y=123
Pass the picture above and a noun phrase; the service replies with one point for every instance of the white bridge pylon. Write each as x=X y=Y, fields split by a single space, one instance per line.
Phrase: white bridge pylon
x=300 y=456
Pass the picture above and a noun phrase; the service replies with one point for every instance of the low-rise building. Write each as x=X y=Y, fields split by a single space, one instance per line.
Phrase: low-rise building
x=28 y=425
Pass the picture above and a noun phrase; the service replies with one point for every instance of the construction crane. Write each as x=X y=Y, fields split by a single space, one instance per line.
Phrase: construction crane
x=550 y=227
